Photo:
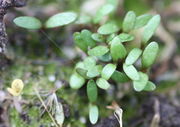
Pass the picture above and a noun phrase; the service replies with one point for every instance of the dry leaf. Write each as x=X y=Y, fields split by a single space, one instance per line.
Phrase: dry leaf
x=16 y=87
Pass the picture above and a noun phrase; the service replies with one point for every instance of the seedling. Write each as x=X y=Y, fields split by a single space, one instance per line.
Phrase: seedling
x=109 y=56
x=57 y=20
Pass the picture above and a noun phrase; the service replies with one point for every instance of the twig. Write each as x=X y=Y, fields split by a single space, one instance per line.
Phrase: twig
x=156 y=117
x=4 y=6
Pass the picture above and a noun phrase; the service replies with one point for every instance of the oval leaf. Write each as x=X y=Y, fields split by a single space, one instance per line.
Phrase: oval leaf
x=89 y=62
x=98 y=51
x=150 y=54
x=80 y=42
x=142 y=20
x=86 y=36
x=106 y=57
x=107 y=71
x=28 y=22
x=126 y=37
x=108 y=28
x=131 y=72
x=98 y=37
x=103 y=11
x=111 y=37
x=140 y=84
x=83 y=19
x=129 y=21
x=150 y=28
x=61 y=19
x=82 y=72
x=150 y=86
x=80 y=65
x=92 y=91
x=120 y=77
x=76 y=81
x=93 y=114
x=102 y=83
x=133 y=55
x=117 y=49
x=94 y=71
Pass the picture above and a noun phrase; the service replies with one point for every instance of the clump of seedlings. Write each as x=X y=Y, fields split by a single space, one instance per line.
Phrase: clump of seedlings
x=113 y=54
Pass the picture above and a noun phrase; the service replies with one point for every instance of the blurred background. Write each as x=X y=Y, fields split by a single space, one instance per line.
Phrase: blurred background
x=33 y=58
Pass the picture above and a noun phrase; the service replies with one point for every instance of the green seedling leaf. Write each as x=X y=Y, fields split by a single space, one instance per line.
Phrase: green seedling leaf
x=94 y=71
x=103 y=11
x=108 y=28
x=61 y=19
x=131 y=72
x=129 y=21
x=150 y=28
x=93 y=114
x=126 y=37
x=107 y=71
x=76 y=81
x=140 y=84
x=89 y=62
x=98 y=51
x=149 y=55
x=80 y=65
x=150 y=86
x=92 y=91
x=98 y=37
x=102 y=83
x=83 y=19
x=106 y=57
x=28 y=22
x=117 y=49
x=111 y=37
x=86 y=36
x=120 y=77
x=79 y=41
x=142 y=20
x=82 y=72
x=133 y=56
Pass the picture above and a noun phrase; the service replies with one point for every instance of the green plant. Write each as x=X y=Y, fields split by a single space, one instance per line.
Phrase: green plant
x=110 y=56
x=57 y=20
x=112 y=52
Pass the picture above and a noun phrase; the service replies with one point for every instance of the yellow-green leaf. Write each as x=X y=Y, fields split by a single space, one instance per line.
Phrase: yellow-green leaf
x=150 y=86
x=92 y=91
x=125 y=37
x=129 y=21
x=98 y=51
x=120 y=77
x=131 y=71
x=107 y=71
x=76 y=81
x=117 y=49
x=140 y=84
x=102 y=83
x=150 y=28
x=133 y=56
x=108 y=28
x=61 y=19
x=93 y=114
x=28 y=22
x=149 y=55
x=142 y=20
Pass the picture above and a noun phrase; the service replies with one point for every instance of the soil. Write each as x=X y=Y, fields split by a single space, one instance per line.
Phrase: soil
x=108 y=122
x=169 y=114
